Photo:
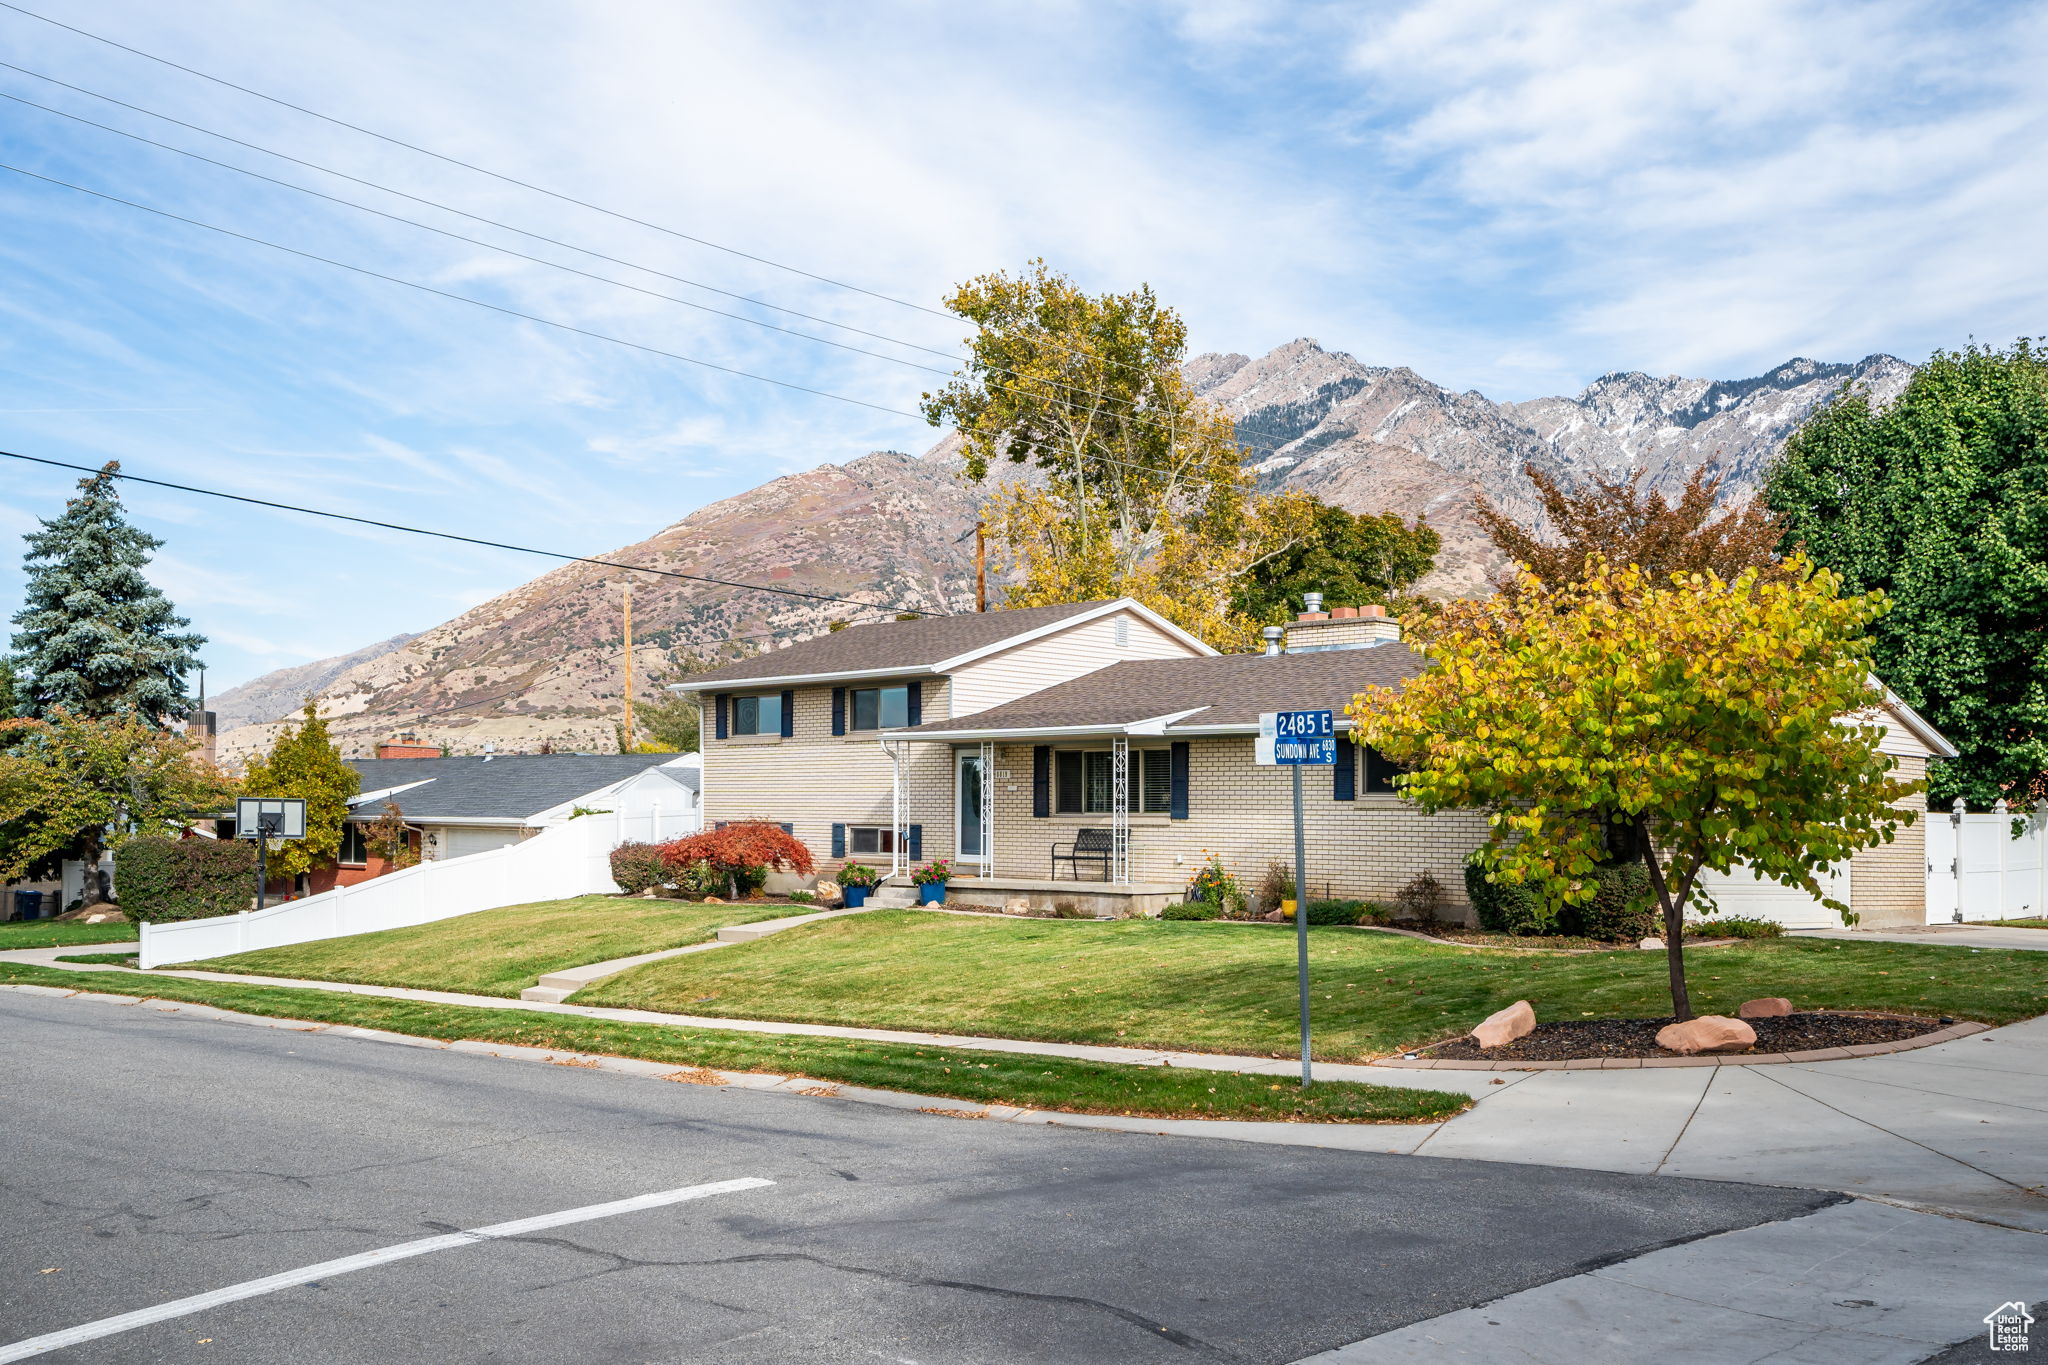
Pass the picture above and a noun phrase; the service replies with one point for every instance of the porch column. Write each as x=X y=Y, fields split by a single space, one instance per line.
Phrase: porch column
x=895 y=751
x=1120 y=809
x=988 y=807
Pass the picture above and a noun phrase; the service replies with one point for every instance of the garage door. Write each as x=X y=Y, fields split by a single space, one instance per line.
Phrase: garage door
x=1744 y=893
x=458 y=843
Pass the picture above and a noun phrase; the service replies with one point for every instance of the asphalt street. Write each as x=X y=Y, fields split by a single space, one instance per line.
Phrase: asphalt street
x=145 y=1158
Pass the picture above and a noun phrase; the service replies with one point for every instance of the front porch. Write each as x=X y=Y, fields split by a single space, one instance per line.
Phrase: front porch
x=1104 y=900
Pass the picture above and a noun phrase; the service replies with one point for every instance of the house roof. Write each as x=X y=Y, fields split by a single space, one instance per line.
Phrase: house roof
x=1225 y=692
x=928 y=645
x=498 y=787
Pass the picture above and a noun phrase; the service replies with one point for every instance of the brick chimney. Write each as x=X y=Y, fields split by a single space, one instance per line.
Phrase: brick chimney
x=1341 y=627
x=408 y=746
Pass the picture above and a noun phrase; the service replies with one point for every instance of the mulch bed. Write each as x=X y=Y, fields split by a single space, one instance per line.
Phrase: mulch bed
x=1581 y=1039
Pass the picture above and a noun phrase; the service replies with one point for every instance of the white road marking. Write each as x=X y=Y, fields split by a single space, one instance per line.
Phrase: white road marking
x=249 y=1289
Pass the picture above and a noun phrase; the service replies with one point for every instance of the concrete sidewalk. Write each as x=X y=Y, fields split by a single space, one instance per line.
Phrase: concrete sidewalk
x=1960 y=1127
x=1852 y=1284
x=1940 y=936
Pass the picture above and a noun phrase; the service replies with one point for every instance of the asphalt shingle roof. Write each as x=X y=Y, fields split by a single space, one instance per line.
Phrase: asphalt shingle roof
x=892 y=644
x=1228 y=689
x=504 y=786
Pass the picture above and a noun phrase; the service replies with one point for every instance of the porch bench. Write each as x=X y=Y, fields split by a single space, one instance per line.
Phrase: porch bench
x=1096 y=846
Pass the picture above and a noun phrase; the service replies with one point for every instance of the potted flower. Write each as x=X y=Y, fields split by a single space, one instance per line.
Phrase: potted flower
x=931 y=881
x=855 y=881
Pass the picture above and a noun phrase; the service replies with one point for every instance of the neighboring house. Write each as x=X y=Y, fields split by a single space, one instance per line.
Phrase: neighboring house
x=459 y=806
x=998 y=739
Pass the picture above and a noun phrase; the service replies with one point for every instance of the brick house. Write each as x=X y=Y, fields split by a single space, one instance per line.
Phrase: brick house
x=996 y=739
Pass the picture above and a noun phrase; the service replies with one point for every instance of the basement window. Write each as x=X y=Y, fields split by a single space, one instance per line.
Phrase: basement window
x=870 y=839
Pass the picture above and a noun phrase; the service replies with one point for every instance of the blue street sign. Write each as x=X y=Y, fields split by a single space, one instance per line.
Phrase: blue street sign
x=1298 y=737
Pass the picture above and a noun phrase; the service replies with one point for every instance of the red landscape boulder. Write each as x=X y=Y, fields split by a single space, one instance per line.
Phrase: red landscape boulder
x=1504 y=1026
x=1708 y=1033
x=1769 y=1007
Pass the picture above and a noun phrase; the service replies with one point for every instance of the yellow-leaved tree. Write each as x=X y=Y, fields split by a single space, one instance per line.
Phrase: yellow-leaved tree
x=1135 y=486
x=1693 y=724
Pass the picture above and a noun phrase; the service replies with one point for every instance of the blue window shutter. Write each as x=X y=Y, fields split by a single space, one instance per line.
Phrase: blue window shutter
x=719 y=703
x=1344 y=775
x=838 y=720
x=916 y=834
x=788 y=713
x=1177 y=785
x=790 y=830
x=916 y=707
x=1041 y=780
x=839 y=841
x=720 y=825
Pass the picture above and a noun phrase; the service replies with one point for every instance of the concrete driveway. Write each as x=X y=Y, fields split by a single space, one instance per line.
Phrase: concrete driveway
x=1941 y=936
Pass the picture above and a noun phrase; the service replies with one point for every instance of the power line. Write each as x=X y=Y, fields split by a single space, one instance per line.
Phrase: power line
x=470 y=540
x=539 y=237
x=951 y=317
x=524 y=316
x=417 y=199
x=459 y=298
x=480 y=170
x=476 y=241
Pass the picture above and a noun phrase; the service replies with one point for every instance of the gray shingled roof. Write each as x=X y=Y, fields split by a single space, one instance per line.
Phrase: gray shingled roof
x=892 y=645
x=1229 y=689
x=505 y=786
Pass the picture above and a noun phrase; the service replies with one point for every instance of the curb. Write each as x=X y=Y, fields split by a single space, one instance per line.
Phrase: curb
x=1819 y=1054
x=945 y=1106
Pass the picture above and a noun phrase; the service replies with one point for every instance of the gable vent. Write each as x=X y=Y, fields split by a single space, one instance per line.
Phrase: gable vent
x=1122 y=633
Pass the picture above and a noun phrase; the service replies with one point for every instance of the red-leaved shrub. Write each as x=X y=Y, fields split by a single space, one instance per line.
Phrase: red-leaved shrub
x=739 y=849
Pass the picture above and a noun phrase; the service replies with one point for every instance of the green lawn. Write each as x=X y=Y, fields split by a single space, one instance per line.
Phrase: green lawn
x=500 y=952
x=1231 y=988
x=2014 y=923
x=982 y=1077
x=49 y=933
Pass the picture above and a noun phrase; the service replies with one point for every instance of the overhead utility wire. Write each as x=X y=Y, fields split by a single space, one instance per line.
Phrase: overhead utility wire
x=418 y=199
x=510 y=180
x=459 y=298
x=514 y=312
x=480 y=170
x=539 y=237
x=476 y=241
x=468 y=540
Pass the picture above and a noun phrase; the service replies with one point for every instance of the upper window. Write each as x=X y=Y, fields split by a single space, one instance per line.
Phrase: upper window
x=880 y=708
x=760 y=715
x=353 y=852
x=1085 y=782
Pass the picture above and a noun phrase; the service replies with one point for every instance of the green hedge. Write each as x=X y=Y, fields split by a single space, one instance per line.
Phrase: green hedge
x=1192 y=910
x=162 y=879
x=1623 y=908
x=1340 y=912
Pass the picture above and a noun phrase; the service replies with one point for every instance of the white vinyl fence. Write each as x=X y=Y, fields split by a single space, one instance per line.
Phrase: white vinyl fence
x=569 y=859
x=1978 y=866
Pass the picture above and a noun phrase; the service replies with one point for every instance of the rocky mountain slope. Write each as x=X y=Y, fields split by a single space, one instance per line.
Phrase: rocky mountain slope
x=542 y=663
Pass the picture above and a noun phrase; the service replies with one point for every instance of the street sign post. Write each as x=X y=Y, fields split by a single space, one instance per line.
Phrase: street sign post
x=264 y=818
x=1297 y=740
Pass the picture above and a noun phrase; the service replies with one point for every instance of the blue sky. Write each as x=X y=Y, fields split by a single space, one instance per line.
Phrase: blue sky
x=1509 y=197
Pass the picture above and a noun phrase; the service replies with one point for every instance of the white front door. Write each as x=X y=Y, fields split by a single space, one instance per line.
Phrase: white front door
x=970 y=832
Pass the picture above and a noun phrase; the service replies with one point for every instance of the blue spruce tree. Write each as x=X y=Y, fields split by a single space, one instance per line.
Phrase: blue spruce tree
x=95 y=636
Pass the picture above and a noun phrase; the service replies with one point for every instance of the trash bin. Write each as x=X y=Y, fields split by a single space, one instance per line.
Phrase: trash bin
x=28 y=905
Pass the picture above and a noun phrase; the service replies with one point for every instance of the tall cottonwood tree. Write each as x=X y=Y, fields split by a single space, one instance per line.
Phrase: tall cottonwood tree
x=1622 y=522
x=94 y=636
x=1940 y=499
x=1133 y=485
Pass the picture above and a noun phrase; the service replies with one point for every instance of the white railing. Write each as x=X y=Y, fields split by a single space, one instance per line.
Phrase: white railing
x=1977 y=865
x=570 y=859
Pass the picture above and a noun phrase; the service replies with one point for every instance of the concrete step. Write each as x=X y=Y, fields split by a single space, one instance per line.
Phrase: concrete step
x=550 y=995
x=747 y=933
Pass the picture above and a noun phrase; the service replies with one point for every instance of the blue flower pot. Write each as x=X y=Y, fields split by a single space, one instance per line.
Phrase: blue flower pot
x=931 y=893
x=855 y=896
